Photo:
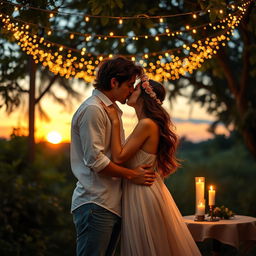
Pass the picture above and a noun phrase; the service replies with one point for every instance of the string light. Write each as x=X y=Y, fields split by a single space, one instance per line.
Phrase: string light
x=168 y=65
x=88 y=16
x=111 y=34
x=142 y=16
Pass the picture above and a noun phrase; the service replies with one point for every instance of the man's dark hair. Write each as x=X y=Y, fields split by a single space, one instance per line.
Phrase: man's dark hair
x=120 y=68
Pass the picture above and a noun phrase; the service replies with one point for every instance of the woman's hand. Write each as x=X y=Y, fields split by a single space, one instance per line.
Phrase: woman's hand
x=111 y=112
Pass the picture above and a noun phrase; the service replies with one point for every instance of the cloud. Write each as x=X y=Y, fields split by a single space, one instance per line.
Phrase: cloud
x=192 y=120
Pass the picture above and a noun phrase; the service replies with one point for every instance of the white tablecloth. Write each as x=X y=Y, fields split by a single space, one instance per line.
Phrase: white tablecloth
x=233 y=232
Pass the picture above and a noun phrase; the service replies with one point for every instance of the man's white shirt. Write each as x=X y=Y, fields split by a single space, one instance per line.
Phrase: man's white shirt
x=91 y=152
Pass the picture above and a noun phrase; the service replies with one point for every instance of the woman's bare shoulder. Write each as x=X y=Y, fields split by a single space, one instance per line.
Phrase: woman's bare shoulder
x=148 y=123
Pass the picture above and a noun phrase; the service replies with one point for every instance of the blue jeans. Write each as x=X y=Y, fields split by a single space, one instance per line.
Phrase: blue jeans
x=98 y=230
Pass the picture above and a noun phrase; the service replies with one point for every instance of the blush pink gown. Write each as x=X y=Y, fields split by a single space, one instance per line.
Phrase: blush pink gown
x=151 y=222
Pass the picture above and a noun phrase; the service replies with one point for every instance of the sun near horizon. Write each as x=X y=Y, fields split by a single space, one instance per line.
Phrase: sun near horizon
x=54 y=137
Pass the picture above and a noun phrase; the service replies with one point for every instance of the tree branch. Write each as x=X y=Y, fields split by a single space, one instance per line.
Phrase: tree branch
x=20 y=89
x=246 y=55
x=223 y=61
x=47 y=88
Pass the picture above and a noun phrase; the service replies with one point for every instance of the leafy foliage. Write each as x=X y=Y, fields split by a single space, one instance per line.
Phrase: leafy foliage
x=34 y=201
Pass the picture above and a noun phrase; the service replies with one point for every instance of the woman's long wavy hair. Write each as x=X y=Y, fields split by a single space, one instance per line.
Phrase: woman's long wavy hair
x=167 y=162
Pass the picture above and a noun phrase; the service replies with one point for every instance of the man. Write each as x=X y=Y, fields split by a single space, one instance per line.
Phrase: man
x=96 y=201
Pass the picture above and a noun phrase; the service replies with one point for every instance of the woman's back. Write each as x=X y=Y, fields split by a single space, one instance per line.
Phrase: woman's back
x=151 y=144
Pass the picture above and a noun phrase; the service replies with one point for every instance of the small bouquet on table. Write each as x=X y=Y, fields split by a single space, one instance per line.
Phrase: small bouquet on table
x=222 y=213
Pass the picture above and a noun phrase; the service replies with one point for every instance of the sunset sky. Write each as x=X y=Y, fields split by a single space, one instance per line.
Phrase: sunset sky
x=190 y=121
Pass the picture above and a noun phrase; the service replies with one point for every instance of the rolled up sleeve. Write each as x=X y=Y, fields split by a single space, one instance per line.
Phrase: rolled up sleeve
x=92 y=134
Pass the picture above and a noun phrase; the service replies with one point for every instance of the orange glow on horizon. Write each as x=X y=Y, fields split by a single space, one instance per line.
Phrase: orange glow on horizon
x=60 y=120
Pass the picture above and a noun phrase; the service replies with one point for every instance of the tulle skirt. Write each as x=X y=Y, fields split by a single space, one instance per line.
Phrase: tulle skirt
x=152 y=224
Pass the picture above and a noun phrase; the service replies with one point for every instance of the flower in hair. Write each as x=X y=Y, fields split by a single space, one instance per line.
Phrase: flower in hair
x=148 y=88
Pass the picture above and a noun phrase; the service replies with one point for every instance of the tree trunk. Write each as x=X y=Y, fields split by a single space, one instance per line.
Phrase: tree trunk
x=32 y=85
x=250 y=140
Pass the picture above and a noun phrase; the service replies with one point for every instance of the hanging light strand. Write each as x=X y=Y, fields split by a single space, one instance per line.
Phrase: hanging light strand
x=55 y=12
x=88 y=36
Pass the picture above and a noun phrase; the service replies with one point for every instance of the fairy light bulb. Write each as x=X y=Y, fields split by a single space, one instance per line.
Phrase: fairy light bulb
x=51 y=15
x=71 y=36
x=49 y=32
x=111 y=33
x=161 y=20
x=157 y=38
x=120 y=21
x=122 y=40
x=194 y=31
x=187 y=27
x=86 y=18
x=221 y=11
x=194 y=16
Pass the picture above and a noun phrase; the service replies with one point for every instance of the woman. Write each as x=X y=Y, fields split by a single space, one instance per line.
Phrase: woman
x=151 y=221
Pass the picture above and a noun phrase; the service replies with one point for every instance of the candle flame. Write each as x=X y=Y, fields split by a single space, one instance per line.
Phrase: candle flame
x=211 y=187
x=199 y=180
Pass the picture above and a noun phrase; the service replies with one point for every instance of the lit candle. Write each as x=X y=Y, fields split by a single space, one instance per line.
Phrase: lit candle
x=211 y=196
x=199 y=189
x=200 y=208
